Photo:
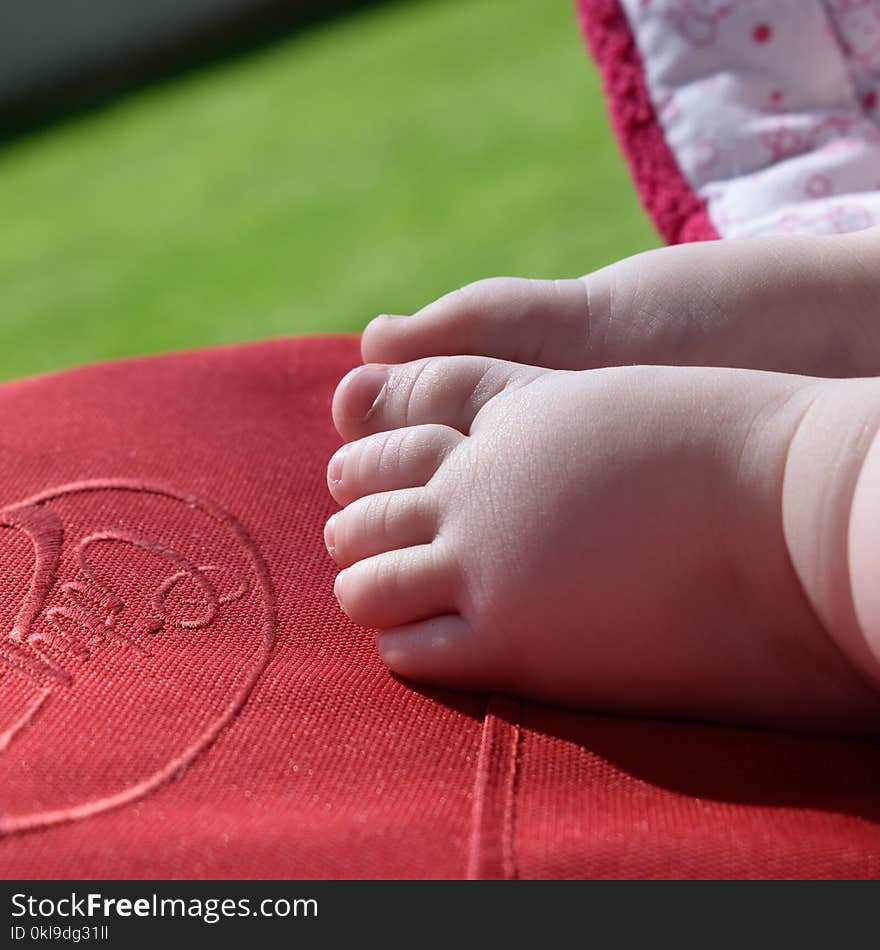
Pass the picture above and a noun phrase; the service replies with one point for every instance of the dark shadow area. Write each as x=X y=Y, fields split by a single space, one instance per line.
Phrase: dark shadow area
x=70 y=89
x=473 y=705
x=738 y=766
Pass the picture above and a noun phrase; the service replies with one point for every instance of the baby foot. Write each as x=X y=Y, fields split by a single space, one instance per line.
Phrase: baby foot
x=617 y=539
x=790 y=304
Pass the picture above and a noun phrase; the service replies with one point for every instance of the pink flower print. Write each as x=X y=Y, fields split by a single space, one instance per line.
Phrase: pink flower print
x=817 y=186
x=783 y=142
x=668 y=109
x=698 y=20
x=859 y=24
x=835 y=219
x=705 y=154
x=842 y=218
x=762 y=33
x=789 y=223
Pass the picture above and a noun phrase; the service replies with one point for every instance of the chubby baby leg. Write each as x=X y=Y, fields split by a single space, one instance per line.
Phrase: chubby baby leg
x=831 y=510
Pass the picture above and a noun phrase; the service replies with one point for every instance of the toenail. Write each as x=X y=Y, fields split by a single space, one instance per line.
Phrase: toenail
x=330 y=534
x=365 y=390
x=336 y=585
x=334 y=469
x=392 y=649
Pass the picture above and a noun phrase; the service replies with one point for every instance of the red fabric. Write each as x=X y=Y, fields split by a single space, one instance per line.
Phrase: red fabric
x=180 y=695
x=679 y=213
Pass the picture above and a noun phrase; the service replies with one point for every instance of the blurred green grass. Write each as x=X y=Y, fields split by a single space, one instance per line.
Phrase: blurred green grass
x=367 y=165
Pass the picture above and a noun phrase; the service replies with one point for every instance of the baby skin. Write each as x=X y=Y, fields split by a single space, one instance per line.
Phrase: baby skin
x=665 y=539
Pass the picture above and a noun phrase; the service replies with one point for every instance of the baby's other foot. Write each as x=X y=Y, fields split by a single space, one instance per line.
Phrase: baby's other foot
x=791 y=304
x=612 y=539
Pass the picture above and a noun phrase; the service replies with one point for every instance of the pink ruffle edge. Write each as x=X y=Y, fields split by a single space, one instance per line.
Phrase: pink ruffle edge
x=678 y=212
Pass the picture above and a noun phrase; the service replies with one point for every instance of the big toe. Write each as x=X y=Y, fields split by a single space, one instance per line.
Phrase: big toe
x=446 y=391
x=536 y=322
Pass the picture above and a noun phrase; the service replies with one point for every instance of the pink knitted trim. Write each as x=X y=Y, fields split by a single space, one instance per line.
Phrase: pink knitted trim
x=679 y=213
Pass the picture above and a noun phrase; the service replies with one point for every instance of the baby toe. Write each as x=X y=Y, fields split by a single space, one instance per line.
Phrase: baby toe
x=387 y=461
x=379 y=523
x=442 y=651
x=398 y=587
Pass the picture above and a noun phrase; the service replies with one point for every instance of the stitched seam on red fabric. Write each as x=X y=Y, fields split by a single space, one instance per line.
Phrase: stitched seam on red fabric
x=491 y=847
x=481 y=782
x=678 y=212
x=174 y=768
x=508 y=853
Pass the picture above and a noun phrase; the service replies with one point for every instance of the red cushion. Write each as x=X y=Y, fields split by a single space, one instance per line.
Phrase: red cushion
x=180 y=695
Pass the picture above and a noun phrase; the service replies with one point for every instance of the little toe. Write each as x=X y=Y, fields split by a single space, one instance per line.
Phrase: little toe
x=440 y=651
x=401 y=458
x=536 y=322
x=398 y=587
x=375 y=524
x=447 y=391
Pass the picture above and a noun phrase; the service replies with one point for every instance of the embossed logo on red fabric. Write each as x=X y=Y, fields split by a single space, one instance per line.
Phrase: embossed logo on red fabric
x=135 y=622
